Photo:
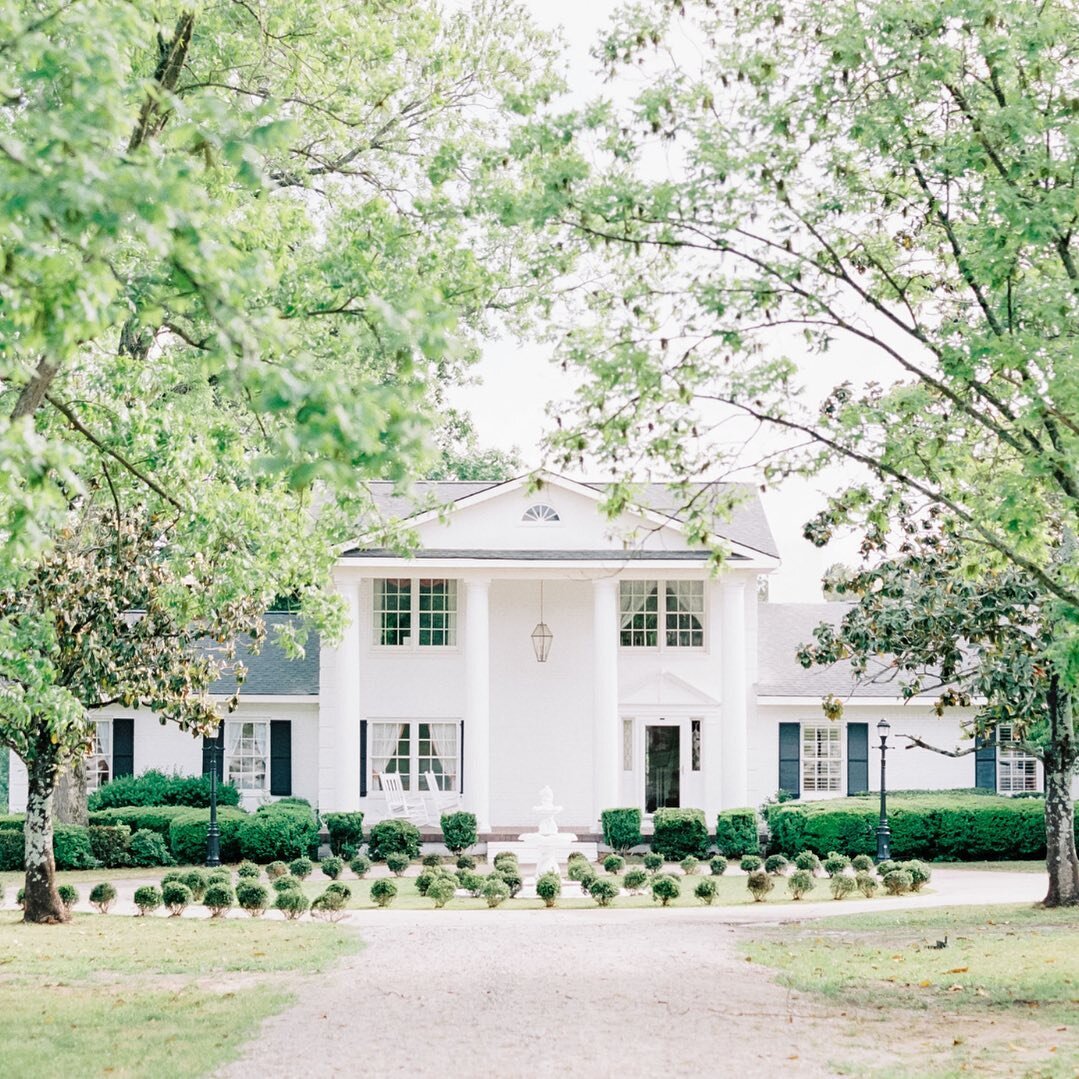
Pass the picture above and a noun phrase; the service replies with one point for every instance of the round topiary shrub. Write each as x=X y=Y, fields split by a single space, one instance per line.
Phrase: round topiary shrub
x=397 y=862
x=176 y=896
x=332 y=866
x=603 y=891
x=505 y=858
x=549 y=888
x=340 y=889
x=147 y=899
x=196 y=881
x=471 y=882
x=862 y=863
x=218 y=898
x=458 y=831
x=330 y=906
x=432 y=861
x=495 y=890
x=636 y=879
x=511 y=877
x=276 y=869
x=808 y=861
x=252 y=897
x=718 y=865
x=800 y=883
x=898 y=882
x=867 y=883
x=360 y=865
x=248 y=871
x=425 y=880
x=291 y=902
x=103 y=895
x=581 y=872
x=575 y=856
x=20 y=898
x=920 y=874
x=219 y=875
x=614 y=863
x=69 y=895
x=842 y=885
x=886 y=867
x=751 y=863
x=760 y=884
x=665 y=888
x=148 y=848
x=383 y=891
x=393 y=837
x=441 y=891
x=653 y=862
x=705 y=890
x=836 y=863
x=301 y=868
x=776 y=864
x=286 y=884
x=690 y=865
x=173 y=875
x=466 y=861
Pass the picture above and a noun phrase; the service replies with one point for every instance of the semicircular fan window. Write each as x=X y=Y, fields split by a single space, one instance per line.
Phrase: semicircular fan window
x=540 y=514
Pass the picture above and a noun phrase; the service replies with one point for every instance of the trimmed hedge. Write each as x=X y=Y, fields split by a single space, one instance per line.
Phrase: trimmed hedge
x=109 y=844
x=736 y=832
x=346 y=831
x=278 y=832
x=941 y=827
x=71 y=845
x=187 y=834
x=458 y=831
x=621 y=828
x=11 y=850
x=393 y=836
x=678 y=833
x=154 y=788
x=137 y=818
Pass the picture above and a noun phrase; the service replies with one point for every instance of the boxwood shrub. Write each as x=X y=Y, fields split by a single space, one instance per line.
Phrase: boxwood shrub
x=187 y=834
x=109 y=844
x=621 y=829
x=155 y=818
x=680 y=832
x=458 y=831
x=277 y=832
x=71 y=846
x=346 y=832
x=390 y=836
x=147 y=848
x=11 y=850
x=154 y=788
x=736 y=832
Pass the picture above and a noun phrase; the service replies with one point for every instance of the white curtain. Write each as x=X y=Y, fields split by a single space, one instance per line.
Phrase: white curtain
x=233 y=736
x=384 y=740
x=444 y=744
x=633 y=603
x=260 y=730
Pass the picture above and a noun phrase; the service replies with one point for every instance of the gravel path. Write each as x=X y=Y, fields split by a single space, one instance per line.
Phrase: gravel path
x=596 y=992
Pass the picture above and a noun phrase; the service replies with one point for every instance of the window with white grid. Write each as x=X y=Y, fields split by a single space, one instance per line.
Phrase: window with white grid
x=822 y=757
x=1016 y=770
x=411 y=749
x=685 y=614
x=437 y=752
x=639 y=618
x=99 y=763
x=437 y=613
x=393 y=611
x=247 y=754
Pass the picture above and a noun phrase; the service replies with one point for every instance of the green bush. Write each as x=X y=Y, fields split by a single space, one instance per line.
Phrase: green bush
x=614 y=863
x=397 y=862
x=20 y=898
x=466 y=861
x=218 y=898
x=736 y=832
x=920 y=874
x=147 y=899
x=393 y=837
x=776 y=864
x=176 y=896
x=751 y=863
x=898 y=882
x=286 y=883
x=102 y=896
x=108 y=844
x=277 y=869
x=495 y=890
x=197 y=881
x=862 y=863
x=511 y=877
x=248 y=870
x=330 y=906
x=424 y=881
x=808 y=861
x=12 y=821
x=718 y=865
x=458 y=831
x=505 y=858
x=301 y=868
x=705 y=890
x=679 y=832
x=431 y=860
x=332 y=867
x=12 y=848
x=147 y=848
x=360 y=865
x=636 y=879
x=653 y=862
x=71 y=847
x=603 y=891
x=867 y=883
x=187 y=834
x=471 y=882
x=621 y=829
x=836 y=863
x=800 y=883
x=291 y=902
x=153 y=788
x=340 y=889
x=665 y=888
x=69 y=895
x=760 y=884
x=278 y=832
x=841 y=885
x=156 y=818
x=581 y=872
x=442 y=891
x=383 y=892
x=346 y=832
x=549 y=888
x=252 y=896
x=574 y=856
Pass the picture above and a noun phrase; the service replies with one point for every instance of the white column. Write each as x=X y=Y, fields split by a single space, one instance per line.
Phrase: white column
x=477 y=725
x=606 y=757
x=339 y=712
x=712 y=748
x=735 y=717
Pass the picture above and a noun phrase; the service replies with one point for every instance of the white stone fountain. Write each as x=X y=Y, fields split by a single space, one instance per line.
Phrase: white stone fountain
x=546 y=848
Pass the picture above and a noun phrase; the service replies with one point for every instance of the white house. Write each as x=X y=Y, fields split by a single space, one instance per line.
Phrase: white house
x=661 y=685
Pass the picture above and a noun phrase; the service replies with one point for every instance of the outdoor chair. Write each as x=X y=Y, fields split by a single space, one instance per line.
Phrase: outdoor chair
x=398 y=804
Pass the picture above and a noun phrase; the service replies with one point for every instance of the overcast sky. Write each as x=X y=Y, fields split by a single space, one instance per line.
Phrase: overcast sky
x=517 y=382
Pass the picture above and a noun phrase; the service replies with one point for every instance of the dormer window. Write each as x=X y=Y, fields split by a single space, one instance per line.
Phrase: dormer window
x=541 y=514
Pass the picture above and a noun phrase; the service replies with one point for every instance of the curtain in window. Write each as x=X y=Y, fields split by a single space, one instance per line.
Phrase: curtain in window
x=234 y=733
x=384 y=740
x=444 y=744
x=261 y=741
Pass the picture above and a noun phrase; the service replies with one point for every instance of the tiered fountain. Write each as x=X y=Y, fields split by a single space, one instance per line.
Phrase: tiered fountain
x=546 y=848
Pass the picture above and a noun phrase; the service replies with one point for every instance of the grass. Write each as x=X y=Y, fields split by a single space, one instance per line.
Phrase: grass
x=995 y=867
x=132 y=996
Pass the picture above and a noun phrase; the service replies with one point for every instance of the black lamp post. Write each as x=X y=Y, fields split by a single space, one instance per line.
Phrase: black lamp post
x=884 y=833
x=213 y=834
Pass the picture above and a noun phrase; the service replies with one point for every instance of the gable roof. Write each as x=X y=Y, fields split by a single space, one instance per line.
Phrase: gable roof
x=271 y=673
x=748 y=526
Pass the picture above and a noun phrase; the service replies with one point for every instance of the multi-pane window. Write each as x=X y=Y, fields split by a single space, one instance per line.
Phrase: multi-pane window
x=822 y=757
x=683 y=614
x=1016 y=770
x=627 y=745
x=247 y=754
x=541 y=514
x=99 y=763
x=695 y=745
x=428 y=604
x=411 y=749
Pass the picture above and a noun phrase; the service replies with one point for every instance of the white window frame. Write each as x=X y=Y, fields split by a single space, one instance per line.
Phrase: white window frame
x=1013 y=765
x=101 y=754
x=413 y=642
x=822 y=773
x=246 y=778
x=545 y=515
x=642 y=587
x=418 y=763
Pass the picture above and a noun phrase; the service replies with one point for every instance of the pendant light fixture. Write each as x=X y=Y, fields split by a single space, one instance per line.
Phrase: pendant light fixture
x=542 y=635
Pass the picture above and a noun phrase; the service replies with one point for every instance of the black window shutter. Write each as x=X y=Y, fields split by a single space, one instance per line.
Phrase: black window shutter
x=461 y=765
x=363 y=758
x=857 y=758
x=985 y=763
x=207 y=743
x=280 y=756
x=790 y=758
x=123 y=748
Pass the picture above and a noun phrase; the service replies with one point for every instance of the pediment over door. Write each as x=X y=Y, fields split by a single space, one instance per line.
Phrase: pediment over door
x=665 y=690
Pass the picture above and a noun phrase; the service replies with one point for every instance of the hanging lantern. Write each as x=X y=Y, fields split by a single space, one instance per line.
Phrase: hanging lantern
x=542 y=635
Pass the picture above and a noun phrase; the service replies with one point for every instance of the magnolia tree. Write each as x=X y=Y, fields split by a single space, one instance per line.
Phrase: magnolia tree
x=852 y=226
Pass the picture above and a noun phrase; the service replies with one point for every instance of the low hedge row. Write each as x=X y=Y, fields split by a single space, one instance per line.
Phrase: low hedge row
x=154 y=788
x=944 y=827
x=679 y=833
x=187 y=834
x=155 y=818
x=736 y=832
x=279 y=831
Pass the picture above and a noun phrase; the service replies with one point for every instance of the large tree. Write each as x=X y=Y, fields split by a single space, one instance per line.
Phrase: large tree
x=852 y=223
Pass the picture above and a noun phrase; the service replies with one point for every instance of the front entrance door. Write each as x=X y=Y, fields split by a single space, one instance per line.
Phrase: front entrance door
x=662 y=767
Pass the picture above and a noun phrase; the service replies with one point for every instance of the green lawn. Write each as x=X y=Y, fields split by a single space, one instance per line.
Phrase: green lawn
x=145 y=996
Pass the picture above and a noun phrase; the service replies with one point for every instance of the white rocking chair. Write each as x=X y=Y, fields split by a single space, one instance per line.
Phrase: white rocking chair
x=398 y=803
x=439 y=800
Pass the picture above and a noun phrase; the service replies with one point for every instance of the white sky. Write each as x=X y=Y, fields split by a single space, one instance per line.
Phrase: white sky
x=515 y=383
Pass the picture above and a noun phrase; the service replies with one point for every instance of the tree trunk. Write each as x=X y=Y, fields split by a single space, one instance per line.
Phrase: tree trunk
x=1060 y=854
x=42 y=903
x=69 y=802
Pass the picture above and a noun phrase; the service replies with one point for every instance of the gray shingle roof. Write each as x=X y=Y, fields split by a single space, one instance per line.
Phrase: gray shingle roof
x=781 y=629
x=559 y=555
x=271 y=672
